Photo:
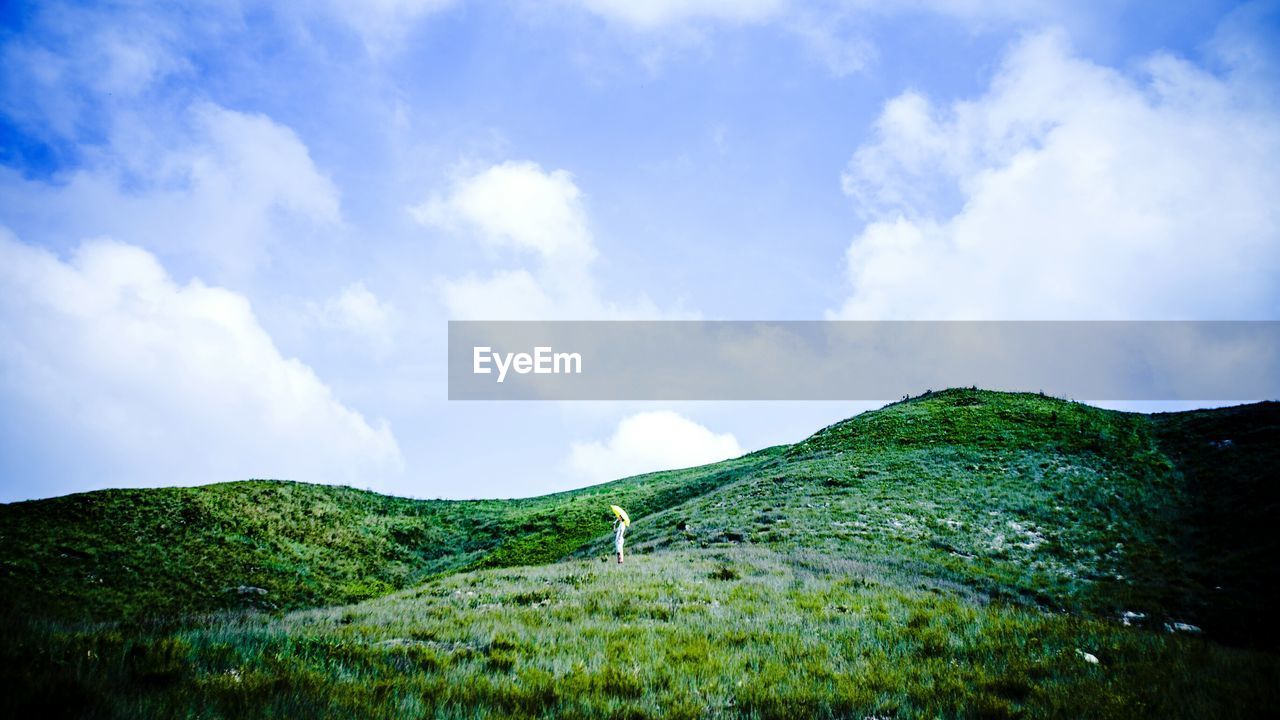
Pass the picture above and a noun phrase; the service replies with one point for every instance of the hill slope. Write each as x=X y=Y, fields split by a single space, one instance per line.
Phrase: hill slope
x=119 y=554
x=1029 y=499
x=746 y=633
x=961 y=554
x=1015 y=496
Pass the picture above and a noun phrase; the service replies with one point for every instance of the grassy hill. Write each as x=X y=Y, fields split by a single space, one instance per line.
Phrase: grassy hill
x=963 y=554
x=131 y=554
x=1029 y=499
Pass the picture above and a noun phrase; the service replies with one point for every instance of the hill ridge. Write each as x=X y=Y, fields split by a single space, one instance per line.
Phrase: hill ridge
x=1018 y=496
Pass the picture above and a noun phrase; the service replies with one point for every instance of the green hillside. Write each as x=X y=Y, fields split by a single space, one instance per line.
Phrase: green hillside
x=1032 y=500
x=125 y=554
x=960 y=554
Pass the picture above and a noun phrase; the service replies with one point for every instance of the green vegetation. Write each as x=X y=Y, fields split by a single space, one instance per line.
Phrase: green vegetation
x=131 y=554
x=1032 y=500
x=673 y=635
x=962 y=554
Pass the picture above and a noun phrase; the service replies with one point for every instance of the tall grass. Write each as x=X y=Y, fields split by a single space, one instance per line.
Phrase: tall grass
x=748 y=634
x=962 y=554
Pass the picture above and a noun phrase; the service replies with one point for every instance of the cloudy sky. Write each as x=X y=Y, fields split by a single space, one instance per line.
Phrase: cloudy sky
x=231 y=234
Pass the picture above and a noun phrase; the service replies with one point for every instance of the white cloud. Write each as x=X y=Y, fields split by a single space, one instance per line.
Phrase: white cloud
x=653 y=14
x=76 y=63
x=834 y=40
x=144 y=381
x=659 y=14
x=382 y=24
x=835 y=33
x=504 y=295
x=239 y=178
x=223 y=190
x=357 y=311
x=649 y=441
x=1070 y=190
x=254 y=157
x=517 y=205
x=537 y=217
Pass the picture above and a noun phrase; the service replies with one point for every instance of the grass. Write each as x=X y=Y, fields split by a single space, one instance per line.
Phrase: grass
x=1029 y=499
x=749 y=634
x=961 y=554
x=123 y=554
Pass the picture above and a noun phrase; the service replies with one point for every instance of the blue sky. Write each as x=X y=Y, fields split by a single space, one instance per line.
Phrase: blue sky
x=231 y=234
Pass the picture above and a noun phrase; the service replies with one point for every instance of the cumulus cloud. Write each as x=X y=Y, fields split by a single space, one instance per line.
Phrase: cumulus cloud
x=141 y=380
x=382 y=24
x=658 y=13
x=75 y=63
x=252 y=155
x=517 y=205
x=224 y=190
x=835 y=33
x=650 y=441
x=537 y=218
x=834 y=40
x=241 y=171
x=1071 y=190
x=358 y=312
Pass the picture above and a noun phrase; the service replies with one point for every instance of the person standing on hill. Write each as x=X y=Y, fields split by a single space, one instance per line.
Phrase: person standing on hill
x=619 y=532
x=621 y=521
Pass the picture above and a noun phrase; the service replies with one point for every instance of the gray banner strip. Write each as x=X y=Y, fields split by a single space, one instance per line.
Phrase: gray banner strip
x=837 y=360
